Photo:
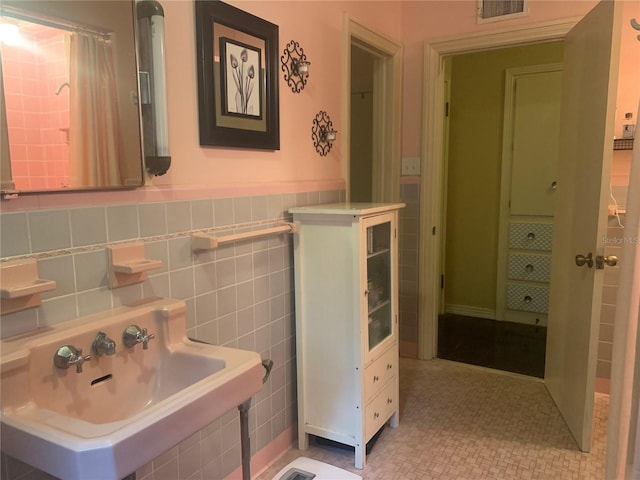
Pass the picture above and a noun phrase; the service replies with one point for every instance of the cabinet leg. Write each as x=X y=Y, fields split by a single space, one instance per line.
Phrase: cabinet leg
x=303 y=440
x=393 y=422
x=360 y=454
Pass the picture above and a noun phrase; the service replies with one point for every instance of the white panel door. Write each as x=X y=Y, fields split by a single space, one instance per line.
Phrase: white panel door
x=586 y=143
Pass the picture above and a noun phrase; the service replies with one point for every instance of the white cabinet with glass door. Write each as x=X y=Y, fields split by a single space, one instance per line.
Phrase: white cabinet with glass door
x=346 y=293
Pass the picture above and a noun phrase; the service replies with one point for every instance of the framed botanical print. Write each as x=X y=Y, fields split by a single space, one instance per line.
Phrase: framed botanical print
x=237 y=56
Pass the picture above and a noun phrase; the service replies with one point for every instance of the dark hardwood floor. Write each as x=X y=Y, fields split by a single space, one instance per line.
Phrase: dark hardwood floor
x=512 y=347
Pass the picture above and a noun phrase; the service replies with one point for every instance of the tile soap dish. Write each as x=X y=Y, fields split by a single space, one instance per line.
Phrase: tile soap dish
x=128 y=265
x=21 y=285
x=137 y=266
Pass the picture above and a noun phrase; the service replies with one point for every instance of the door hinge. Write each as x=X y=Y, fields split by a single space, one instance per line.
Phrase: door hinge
x=433 y=231
x=441 y=281
x=395 y=233
x=446 y=109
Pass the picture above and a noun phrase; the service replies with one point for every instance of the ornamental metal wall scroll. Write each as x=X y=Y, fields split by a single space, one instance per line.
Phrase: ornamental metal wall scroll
x=295 y=66
x=322 y=133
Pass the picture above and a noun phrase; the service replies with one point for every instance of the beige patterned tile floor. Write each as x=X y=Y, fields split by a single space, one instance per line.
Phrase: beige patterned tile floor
x=459 y=422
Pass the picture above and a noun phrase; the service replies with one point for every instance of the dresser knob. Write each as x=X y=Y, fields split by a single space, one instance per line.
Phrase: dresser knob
x=531 y=236
x=375 y=378
x=376 y=415
x=529 y=267
x=528 y=299
x=389 y=366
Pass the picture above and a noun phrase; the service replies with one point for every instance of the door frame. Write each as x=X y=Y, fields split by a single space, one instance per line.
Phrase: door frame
x=432 y=187
x=387 y=108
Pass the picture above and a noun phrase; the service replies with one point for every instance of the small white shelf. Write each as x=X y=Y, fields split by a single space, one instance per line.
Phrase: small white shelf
x=128 y=265
x=379 y=306
x=378 y=253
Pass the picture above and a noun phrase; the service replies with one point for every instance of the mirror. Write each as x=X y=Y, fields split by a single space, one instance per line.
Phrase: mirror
x=70 y=83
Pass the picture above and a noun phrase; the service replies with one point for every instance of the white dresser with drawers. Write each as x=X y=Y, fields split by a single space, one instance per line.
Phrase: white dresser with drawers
x=528 y=271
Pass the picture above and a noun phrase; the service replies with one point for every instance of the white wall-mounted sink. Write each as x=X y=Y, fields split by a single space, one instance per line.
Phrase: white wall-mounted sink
x=122 y=410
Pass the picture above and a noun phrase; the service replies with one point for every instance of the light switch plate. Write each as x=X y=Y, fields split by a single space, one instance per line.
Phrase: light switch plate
x=411 y=166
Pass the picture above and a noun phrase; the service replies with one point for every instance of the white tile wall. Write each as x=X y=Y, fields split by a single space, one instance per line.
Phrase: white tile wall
x=239 y=295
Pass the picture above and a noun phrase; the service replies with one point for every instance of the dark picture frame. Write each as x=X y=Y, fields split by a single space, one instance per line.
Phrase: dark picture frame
x=222 y=30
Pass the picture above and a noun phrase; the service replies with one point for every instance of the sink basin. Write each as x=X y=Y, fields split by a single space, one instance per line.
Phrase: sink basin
x=90 y=424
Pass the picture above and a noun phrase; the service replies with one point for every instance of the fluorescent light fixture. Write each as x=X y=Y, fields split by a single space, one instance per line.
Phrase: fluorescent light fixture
x=153 y=86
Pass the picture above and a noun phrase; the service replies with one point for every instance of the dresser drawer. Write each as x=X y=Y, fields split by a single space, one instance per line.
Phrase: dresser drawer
x=533 y=268
x=530 y=236
x=527 y=298
x=379 y=372
x=380 y=409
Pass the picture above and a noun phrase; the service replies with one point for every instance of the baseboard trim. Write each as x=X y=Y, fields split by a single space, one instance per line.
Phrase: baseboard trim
x=469 y=311
x=603 y=385
x=408 y=349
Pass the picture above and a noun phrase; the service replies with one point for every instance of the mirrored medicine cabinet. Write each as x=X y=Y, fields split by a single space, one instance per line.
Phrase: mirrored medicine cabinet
x=69 y=103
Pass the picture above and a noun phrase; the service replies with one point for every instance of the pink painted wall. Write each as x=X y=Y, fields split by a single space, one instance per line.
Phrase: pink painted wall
x=437 y=20
x=628 y=91
x=317 y=26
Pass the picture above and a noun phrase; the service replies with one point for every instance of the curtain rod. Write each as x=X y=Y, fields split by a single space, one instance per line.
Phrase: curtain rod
x=50 y=22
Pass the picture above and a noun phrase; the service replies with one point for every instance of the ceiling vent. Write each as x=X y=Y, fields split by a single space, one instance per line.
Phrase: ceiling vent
x=497 y=10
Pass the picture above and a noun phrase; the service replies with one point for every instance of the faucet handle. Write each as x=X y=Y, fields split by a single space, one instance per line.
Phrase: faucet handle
x=79 y=360
x=103 y=345
x=133 y=335
x=68 y=355
x=145 y=338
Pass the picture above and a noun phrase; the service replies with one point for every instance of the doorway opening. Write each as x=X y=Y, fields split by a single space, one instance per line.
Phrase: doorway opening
x=502 y=125
x=371 y=140
x=363 y=158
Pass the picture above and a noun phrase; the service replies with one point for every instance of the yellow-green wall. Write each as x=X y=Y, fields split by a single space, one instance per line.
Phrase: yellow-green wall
x=474 y=169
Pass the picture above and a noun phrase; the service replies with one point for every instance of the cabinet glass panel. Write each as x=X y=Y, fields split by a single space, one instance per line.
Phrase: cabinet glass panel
x=379 y=283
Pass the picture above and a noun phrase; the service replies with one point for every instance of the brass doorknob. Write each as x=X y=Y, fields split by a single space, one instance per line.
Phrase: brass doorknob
x=582 y=260
x=610 y=260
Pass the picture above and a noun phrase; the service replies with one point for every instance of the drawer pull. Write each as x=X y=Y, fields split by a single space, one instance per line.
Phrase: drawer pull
x=376 y=415
x=389 y=366
x=389 y=401
x=529 y=267
x=528 y=299
x=531 y=236
x=375 y=378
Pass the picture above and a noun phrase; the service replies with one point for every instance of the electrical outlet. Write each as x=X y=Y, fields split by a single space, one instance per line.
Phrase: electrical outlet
x=411 y=166
x=628 y=130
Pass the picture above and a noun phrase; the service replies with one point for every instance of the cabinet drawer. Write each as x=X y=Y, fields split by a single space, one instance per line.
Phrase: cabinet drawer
x=379 y=372
x=530 y=236
x=527 y=298
x=533 y=268
x=380 y=409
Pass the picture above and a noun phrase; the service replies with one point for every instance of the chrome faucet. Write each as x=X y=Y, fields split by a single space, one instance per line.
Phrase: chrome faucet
x=68 y=355
x=103 y=345
x=134 y=335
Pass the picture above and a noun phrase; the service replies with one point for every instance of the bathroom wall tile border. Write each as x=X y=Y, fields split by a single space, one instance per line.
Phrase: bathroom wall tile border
x=164 y=193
